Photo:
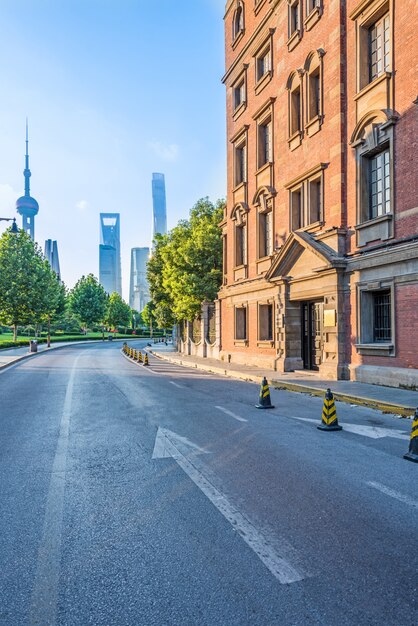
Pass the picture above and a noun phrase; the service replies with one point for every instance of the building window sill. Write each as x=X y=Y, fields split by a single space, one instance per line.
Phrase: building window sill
x=265 y=343
x=239 y=110
x=314 y=226
x=264 y=167
x=238 y=38
x=241 y=342
x=313 y=17
x=313 y=126
x=386 y=76
x=295 y=140
x=377 y=229
x=239 y=186
x=293 y=40
x=376 y=349
x=262 y=82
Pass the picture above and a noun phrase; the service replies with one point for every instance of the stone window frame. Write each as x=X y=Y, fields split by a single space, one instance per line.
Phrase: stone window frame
x=224 y=258
x=373 y=135
x=264 y=204
x=314 y=65
x=313 y=13
x=367 y=13
x=302 y=185
x=365 y=344
x=243 y=341
x=239 y=217
x=264 y=341
x=264 y=117
x=240 y=80
x=258 y=4
x=294 y=31
x=264 y=51
x=240 y=142
x=238 y=23
x=295 y=131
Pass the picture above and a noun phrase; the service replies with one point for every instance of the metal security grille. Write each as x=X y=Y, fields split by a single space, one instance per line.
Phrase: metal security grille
x=382 y=316
x=196 y=331
x=211 y=332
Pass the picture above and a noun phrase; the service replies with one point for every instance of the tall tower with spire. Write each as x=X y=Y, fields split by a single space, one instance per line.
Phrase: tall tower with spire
x=27 y=206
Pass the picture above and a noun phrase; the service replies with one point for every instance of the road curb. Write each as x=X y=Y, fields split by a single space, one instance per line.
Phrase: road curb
x=385 y=407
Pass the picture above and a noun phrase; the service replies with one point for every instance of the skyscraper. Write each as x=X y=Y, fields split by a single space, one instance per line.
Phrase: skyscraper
x=139 y=289
x=51 y=255
x=159 y=205
x=27 y=206
x=110 y=275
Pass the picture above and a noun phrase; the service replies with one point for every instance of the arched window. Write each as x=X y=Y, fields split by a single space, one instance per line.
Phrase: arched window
x=295 y=128
x=238 y=21
x=314 y=91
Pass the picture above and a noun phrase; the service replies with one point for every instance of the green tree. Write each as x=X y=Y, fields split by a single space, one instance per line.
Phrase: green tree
x=186 y=267
x=162 y=303
x=118 y=313
x=24 y=276
x=88 y=300
x=53 y=301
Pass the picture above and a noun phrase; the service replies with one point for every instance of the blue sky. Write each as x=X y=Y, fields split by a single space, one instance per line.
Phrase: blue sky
x=114 y=90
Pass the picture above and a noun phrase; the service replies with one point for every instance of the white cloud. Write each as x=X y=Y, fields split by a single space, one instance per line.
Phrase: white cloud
x=169 y=152
x=8 y=197
x=82 y=205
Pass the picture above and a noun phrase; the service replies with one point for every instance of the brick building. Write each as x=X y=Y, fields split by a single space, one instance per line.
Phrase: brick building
x=321 y=229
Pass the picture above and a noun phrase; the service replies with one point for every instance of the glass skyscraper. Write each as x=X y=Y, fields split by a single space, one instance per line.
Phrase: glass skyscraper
x=139 y=290
x=159 y=205
x=110 y=274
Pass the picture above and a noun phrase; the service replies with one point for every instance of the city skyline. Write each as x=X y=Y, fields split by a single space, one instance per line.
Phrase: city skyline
x=109 y=253
x=99 y=119
x=159 y=205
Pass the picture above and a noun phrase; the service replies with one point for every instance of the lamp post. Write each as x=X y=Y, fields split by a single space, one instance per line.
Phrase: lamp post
x=14 y=229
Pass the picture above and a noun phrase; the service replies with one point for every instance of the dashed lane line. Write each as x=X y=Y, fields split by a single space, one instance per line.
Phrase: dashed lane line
x=231 y=414
x=393 y=494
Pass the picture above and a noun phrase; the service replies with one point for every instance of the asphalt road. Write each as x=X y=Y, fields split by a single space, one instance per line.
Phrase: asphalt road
x=135 y=496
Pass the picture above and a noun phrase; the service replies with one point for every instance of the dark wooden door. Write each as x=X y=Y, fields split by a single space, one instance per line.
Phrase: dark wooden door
x=312 y=334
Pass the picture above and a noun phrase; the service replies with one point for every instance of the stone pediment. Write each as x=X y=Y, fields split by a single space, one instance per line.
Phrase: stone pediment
x=302 y=255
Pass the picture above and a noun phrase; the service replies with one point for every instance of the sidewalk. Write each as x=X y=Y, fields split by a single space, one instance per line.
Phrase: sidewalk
x=387 y=399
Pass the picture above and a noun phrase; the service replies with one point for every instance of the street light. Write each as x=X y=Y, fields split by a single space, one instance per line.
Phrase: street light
x=14 y=229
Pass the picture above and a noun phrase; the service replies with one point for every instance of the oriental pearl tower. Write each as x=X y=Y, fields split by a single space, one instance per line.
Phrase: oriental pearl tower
x=27 y=206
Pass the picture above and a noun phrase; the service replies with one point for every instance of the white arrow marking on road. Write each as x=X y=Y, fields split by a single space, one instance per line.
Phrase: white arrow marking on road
x=167 y=444
x=373 y=432
x=176 y=384
x=227 y=412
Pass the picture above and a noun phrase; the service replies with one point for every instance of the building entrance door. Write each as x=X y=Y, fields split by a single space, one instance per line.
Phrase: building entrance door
x=312 y=334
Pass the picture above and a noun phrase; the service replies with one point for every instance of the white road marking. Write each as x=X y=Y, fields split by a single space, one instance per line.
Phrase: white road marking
x=176 y=384
x=263 y=546
x=163 y=435
x=373 y=432
x=227 y=412
x=394 y=494
x=45 y=589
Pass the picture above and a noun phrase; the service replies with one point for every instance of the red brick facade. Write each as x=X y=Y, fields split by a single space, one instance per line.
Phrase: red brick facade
x=321 y=261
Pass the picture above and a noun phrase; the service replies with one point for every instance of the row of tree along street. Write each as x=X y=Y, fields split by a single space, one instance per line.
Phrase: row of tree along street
x=185 y=269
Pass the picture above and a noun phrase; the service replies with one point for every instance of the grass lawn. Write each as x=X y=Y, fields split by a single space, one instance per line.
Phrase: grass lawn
x=6 y=339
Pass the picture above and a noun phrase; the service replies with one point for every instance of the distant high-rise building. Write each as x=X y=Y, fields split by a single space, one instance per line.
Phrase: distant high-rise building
x=110 y=274
x=159 y=205
x=27 y=206
x=51 y=255
x=139 y=289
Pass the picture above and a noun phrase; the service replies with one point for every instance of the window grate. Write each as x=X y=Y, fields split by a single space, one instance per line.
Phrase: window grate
x=382 y=316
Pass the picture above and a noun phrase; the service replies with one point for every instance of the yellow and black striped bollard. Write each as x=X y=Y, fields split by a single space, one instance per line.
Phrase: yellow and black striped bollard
x=412 y=454
x=140 y=357
x=329 y=414
x=146 y=362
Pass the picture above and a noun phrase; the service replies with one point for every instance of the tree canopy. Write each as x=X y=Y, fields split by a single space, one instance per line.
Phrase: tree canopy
x=118 y=313
x=88 y=300
x=29 y=289
x=186 y=265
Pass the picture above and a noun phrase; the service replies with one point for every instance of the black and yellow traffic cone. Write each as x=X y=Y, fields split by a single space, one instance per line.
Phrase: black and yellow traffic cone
x=264 y=401
x=140 y=357
x=145 y=359
x=412 y=454
x=329 y=414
